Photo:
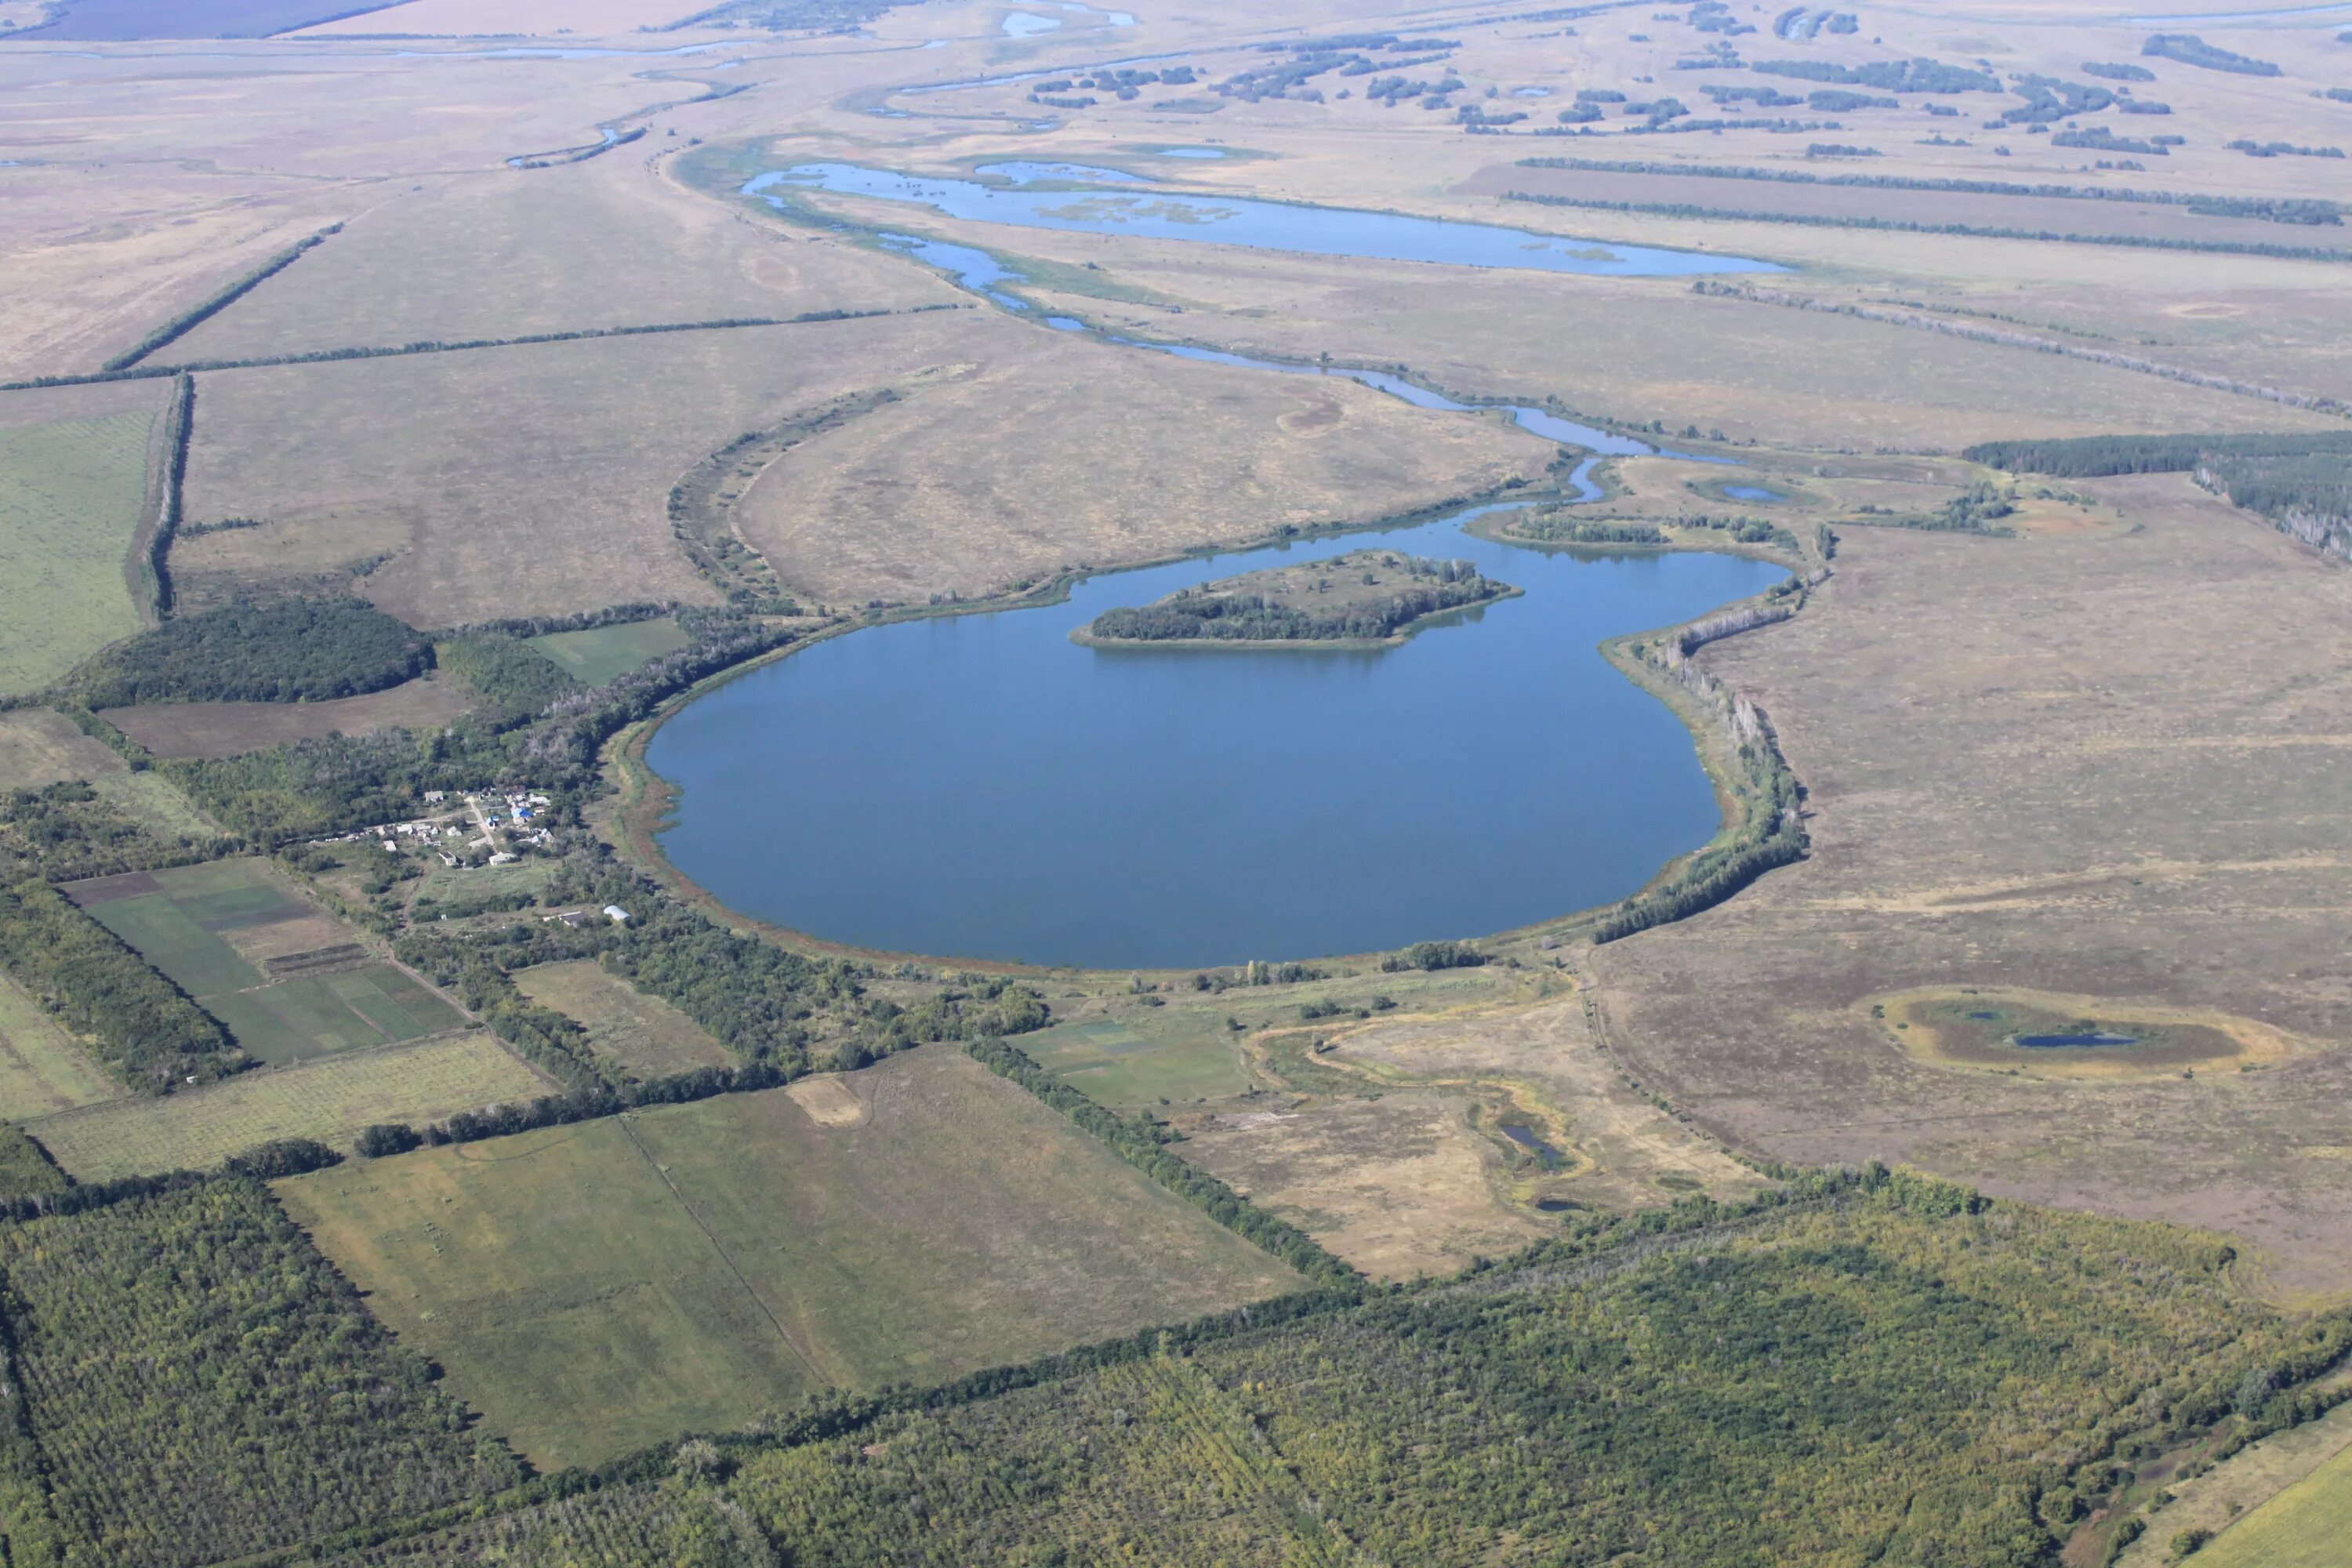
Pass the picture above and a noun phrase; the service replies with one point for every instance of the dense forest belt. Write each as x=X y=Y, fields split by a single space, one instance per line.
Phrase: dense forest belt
x=2301 y=481
x=296 y=650
x=433 y=346
x=2314 y=401
x=2270 y=209
x=1978 y=231
x=188 y=321
x=702 y=504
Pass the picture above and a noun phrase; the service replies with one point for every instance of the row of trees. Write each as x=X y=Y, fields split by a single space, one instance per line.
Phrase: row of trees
x=139 y=1024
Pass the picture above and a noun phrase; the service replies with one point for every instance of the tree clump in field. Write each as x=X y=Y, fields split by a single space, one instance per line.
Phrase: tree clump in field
x=294 y=650
x=140 y=1023
x=1367 y=595
x=65 y=831
x=1887 y=76
x=2192 y=50
x=189 y=1382
x=2302 y=481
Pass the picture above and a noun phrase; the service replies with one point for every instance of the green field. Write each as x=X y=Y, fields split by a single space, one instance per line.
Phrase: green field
x=603 y=654
x=597 y=1288
x=1115 y=1066
x=644 y=1035
x=71 y=495
x=42 y=1068
x=329 y=1100
x=191 y=924
x=2306 y=1526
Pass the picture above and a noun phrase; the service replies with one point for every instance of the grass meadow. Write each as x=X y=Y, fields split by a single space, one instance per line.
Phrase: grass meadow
x=2305 y=1526
x=42 y=1068
x=603 y=654
x=596 y=1288
x=329 y=1100
x=71 y=495
x=644 y=1035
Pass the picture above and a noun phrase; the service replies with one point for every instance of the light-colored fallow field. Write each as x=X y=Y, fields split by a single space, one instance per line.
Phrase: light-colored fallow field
x=1634 y=349
x=641 y=1034
x=329 y=1100
x=227 y=728
x=2097 y=765
x=532 y=480
x=503 y=254
x=506 y=18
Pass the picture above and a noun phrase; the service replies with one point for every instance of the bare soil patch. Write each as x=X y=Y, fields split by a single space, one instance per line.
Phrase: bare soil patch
x=227 y=729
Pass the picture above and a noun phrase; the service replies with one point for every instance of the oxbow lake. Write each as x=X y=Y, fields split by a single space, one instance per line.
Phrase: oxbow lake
x=980 y=787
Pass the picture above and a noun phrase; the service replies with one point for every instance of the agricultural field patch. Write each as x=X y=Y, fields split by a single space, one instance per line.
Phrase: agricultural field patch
x=644 y=1036
x=231 y=729
x=480 y=257
x=2240 y=1489
x=595 y=1288
x=1110 y=1063
x=603 y=654
x=39 y=746
x=330 y=1099
x=2302 y=1527
x=2036 y=1035
x=91 y=21
x=290 y=981
x=70 y=498
x=43 y=1069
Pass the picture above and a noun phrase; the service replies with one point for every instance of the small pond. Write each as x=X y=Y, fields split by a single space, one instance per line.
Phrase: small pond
x=1025 y=24
x=2062 y=1042
x=1265 y=226
x=980 y=786
x=1752 y=492
x=1190 y=152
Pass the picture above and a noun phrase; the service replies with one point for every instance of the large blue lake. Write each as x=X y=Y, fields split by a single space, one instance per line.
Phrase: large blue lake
x=980 y=786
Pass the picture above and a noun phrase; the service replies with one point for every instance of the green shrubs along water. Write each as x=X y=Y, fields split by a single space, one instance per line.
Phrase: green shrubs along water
x=1280 y=606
